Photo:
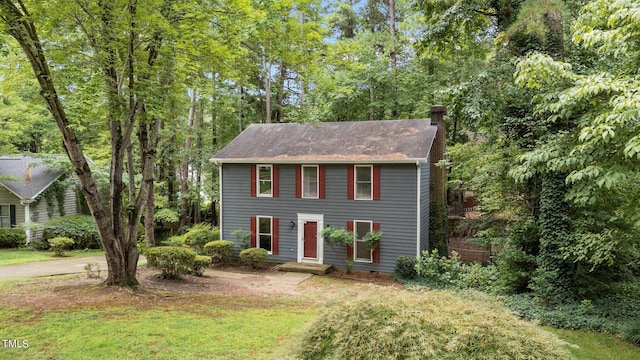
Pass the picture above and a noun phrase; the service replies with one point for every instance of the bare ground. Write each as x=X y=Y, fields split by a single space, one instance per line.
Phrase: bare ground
x=237 y=282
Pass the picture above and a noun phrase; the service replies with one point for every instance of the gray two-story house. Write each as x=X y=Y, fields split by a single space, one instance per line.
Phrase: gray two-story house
x=285 y=182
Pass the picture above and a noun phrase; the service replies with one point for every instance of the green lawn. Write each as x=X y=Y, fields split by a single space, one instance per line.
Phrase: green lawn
x=93 y=322
x=596 y=346
x=209 y=327
x=18 y=256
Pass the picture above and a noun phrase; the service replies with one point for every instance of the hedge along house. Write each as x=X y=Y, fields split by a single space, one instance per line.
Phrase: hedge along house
x=32 y=192
x=286 y=182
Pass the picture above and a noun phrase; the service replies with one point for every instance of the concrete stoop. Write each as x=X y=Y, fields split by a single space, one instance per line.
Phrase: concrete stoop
x=316 y=269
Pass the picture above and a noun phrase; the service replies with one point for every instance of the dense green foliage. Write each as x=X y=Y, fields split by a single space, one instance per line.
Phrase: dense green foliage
x=80 y=228
x=172 y=261
x=60 y=244
x=254 y=257
x=12 y=238
x=199 y=235
x=406 y=268
x=428 y=325
x=219 y=250
x=200 y=264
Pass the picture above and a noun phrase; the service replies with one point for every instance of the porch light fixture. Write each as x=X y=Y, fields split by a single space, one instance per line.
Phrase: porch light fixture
x=292 y=225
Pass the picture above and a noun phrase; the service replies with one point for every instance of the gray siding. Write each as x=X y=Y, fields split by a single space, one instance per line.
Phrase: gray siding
x=396 y=211
x=425 y=204
x=40 y=211
x=7 y=198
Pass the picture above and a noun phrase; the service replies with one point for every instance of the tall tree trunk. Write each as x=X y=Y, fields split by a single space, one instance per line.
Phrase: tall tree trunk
x=280 y=100
x=393 y=57
x=184 y=188
x=267 y=87
x=554 y=282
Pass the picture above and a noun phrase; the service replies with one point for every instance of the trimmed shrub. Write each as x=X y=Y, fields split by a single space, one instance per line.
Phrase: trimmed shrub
x=406 y=267
x=391 y=324
x=177 y=241
x=60 y=244
x=199 y=235
x=171 y=260
x=38 y=245
x=200 y=264
x=80 y=228
x=219 y=250
x=12 y=238
x=254 y=257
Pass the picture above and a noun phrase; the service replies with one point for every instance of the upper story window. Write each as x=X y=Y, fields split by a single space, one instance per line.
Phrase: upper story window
x=363 y=182
x=265 y=180
x=310 y=182
x=5 y=216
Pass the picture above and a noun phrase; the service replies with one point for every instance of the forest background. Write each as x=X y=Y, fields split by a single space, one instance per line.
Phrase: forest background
x=542 y=124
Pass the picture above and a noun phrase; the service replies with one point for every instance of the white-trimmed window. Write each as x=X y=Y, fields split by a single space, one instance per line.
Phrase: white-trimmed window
x=361 y=250
x=5 y=216
x=310 y=182
x=265 y=180
x=264 y=236
x=363 y=182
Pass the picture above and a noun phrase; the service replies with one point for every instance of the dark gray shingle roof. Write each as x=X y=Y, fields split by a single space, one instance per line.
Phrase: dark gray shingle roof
x=360 y=141
x=42 y=175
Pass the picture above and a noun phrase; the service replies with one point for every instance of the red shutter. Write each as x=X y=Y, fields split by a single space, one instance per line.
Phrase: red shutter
x=254 y=231
x=275 y=232
x=253 y=180
x=350 y=247
x=299 y=181
x=275 y=186
x=376 y=251
x=321 y=183
x=350 y=176
x=376 y=182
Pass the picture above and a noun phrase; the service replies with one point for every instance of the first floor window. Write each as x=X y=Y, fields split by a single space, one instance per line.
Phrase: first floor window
x=265 y=233
x=361 y=249
x=5 y=216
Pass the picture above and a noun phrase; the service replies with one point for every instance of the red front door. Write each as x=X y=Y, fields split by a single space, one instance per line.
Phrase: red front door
x=310 y=243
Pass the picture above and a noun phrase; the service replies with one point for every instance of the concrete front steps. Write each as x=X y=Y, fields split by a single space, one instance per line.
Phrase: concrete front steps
x=316 y=269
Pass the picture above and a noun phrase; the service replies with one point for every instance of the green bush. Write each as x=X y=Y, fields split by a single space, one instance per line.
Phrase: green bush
x=391 y=324
x=254 y=257
x=199 y=235
x=219 y=250
x=406 y=267
x=440 y=271
x=200 y=264
x=172 y=261
x=12 y=238
x=177 y=241
x=80 y=228
x=60 y=244
x=631 y=332
x=38 y=245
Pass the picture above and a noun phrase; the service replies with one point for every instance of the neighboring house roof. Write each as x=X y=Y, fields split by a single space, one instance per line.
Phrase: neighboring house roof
x=35 y=176
x=398 y=141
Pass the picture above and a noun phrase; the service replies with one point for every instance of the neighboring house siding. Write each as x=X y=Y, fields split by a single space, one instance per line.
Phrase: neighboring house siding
x=425 y=204
x=40 y=211
x=7 y=198
x=396 y=211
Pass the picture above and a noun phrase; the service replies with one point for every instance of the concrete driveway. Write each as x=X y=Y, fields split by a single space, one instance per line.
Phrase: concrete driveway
x=76 y=265
x=50 y=268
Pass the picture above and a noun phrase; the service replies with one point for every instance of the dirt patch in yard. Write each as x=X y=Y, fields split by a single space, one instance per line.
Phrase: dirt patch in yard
x=226 y=284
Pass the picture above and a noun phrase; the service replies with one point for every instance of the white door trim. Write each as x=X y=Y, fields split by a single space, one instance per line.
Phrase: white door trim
x=318 y=218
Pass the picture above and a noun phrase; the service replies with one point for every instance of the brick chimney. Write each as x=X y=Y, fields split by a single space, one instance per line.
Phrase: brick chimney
x=438 y=232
